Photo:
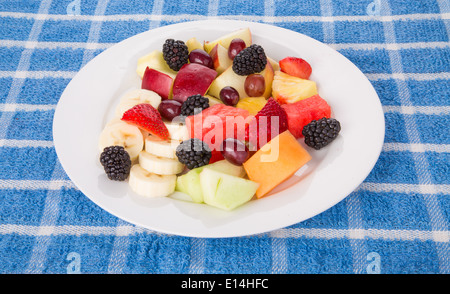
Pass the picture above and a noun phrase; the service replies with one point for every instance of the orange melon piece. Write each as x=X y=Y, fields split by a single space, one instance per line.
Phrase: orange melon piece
x=275 y=162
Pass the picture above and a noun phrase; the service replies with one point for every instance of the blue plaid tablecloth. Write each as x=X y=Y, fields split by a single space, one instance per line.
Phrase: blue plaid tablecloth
x=396 y=221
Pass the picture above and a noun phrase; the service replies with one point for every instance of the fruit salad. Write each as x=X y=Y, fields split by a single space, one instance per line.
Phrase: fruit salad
x=215 y=122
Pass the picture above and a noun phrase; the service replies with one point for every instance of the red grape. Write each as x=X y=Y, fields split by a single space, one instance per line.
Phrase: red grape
x=201 y=57
x=229 y=96
x=235 y=151
x=169 y=109
x=255 y=85
x=236 y=46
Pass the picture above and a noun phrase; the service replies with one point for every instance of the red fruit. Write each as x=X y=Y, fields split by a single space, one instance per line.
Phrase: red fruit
x=146 y=117
x=216 y=123
x=158 y=82
x=268 y=123
x=304 y=111
x=192 y=79
x=296 y=67
x=216 y=155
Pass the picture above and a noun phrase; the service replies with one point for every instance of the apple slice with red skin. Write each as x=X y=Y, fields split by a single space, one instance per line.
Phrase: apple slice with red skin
x=221 y=60
x=192 y=79
x=158 y=82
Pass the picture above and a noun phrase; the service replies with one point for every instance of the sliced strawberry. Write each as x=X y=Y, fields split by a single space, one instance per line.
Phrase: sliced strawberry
x=296 y=67
x=146 y=117
x=268 y=123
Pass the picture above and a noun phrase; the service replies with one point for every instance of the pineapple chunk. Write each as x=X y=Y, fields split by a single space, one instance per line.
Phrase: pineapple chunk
x=252 y=104
x=290 y=89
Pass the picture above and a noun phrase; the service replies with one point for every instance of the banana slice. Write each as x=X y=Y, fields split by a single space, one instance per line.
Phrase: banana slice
x=135 y=97
x=161 y=148
x=177 y=131
x=148 y=184
x=122 y=134
x=160 y=165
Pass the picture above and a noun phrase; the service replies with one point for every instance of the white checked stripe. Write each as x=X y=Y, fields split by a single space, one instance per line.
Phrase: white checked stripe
x=94 y=31
x=213 y=8
x=48 y=220
x=387 y=46
x=387 y=147
x=23 y=65
x=57 y=184
x=405 y=188
x=336 y=46
x=416 y=147
x=326 y=7
x=157 y=9
x=279 y=254
x=354 y=212
x=325 y=234
x=54 y=184
x=269 y=10
x=51 y=206
x=355 y=223
x=279 y=249
x=429 y=110
x=362 y=234
x=409 y=76
x=26 y=143
x=22 y=74
x=197 y=256
x=26 y=107
x=255 y=18
x=54 y=45
x=437 y=220
x=118 y=256
x=444 y=7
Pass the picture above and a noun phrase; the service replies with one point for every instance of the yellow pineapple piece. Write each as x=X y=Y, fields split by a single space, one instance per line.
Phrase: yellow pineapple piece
x=193 y=43
x=290 y=89
x=252 y=104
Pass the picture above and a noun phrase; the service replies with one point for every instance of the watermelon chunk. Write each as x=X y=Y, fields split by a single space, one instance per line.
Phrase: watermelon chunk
x=304 y=111
x=216 y=123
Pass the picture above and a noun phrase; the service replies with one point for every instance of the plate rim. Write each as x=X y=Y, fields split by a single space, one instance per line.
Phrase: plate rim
x=64 y=163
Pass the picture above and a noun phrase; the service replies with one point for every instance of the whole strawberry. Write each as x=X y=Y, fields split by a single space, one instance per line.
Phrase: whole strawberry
x=147 y=118
x=268 y=123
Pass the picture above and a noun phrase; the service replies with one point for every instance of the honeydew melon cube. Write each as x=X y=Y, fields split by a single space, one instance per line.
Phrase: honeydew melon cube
x=225 y=191
x=189 y=183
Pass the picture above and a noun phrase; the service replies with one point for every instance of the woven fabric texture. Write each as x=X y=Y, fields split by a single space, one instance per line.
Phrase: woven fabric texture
x=396 y=221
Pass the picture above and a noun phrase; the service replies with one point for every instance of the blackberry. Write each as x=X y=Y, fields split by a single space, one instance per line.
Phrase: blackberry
x=193 y=153
x=320 y=133
x=175 y=53
x=116 y=163
x=194 y=104
x=250 y=60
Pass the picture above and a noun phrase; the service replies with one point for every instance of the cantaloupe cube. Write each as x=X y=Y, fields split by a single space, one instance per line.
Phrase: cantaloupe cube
x=275 y=162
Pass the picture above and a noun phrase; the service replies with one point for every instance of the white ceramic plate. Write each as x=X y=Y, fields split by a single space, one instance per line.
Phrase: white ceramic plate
x=334 y=172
